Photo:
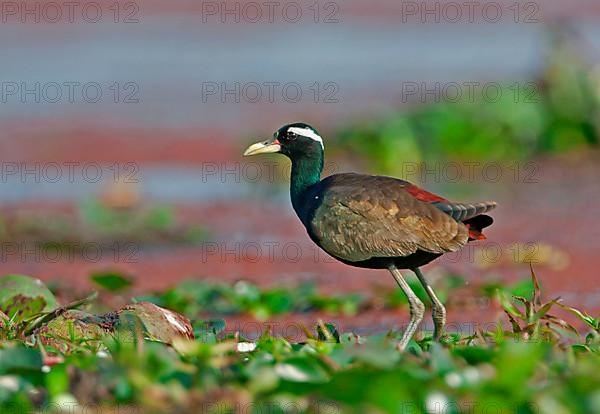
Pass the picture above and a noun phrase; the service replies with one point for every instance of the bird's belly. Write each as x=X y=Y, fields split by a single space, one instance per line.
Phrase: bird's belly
x=417 y=259
x=412 y=261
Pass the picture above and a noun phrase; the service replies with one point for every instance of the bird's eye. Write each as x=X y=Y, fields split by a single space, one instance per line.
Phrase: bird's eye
x=291 y=136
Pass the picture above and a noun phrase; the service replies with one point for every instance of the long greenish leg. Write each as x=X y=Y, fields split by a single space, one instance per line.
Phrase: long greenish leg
x=439 y=311
x=417 y=309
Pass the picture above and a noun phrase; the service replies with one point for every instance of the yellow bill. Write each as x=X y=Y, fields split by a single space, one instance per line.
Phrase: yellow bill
x=266 y=147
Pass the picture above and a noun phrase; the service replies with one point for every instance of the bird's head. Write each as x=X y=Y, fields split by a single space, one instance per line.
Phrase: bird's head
x=296 y=140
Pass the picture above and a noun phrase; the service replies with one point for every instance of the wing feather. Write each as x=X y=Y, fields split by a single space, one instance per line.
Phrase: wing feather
x=362 y=216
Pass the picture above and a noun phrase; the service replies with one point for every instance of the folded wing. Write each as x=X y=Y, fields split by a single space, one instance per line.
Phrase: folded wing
x=362 y=216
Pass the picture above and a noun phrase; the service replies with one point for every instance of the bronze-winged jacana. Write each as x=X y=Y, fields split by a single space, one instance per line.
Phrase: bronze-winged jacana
x=372 y=221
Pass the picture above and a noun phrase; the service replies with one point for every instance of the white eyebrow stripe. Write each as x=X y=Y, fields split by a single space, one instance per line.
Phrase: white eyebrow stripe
x=308 y=133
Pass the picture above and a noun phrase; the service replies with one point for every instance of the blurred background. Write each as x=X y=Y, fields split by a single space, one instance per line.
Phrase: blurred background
x=123 y=125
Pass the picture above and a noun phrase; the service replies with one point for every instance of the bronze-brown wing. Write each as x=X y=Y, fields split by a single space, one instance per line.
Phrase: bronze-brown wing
x=362 y=216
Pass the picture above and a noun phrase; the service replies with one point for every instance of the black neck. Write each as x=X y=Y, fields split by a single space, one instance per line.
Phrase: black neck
x=306 y=171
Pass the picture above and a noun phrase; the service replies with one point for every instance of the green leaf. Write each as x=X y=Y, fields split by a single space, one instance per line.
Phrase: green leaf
x=508 y=304
x=111 y=281
x=263 y=379
x=525 y=288
x=28 y=287
x=160 y=218
x=301 y=369
x=375 y=355
x=57 y=381
x=543 y=310
x=328 y=332
x=19 y=359
x=441 y=360
x=20 y=308
x=474 y=354
x=592 y=322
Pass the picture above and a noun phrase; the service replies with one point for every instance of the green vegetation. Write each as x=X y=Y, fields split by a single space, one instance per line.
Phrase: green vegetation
x=200 y=298
x=195 y=298
x=142 y=357
x=552 y=114
x=100 y=224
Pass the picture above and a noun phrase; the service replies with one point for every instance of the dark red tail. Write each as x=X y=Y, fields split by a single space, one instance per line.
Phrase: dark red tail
x=476 y=225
